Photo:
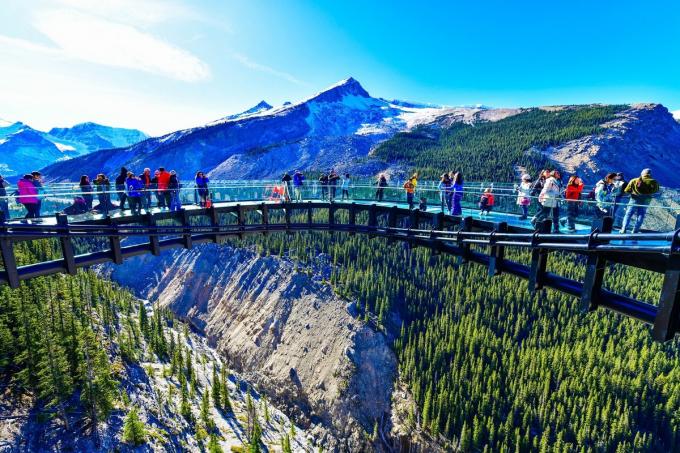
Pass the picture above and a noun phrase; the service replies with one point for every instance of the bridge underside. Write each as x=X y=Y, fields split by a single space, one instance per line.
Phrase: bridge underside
x=472 y=239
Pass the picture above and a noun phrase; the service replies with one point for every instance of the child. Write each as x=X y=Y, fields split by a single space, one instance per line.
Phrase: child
x=486 y=202
x=423 y=204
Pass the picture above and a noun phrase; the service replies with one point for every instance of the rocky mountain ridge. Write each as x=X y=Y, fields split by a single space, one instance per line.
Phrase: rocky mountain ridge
x=642 y=136
x=24 y=149
x=333 y=128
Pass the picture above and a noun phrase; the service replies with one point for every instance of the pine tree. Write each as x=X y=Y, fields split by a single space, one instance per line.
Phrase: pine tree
x=143 y=320
x=255 y=439
x=134 y=432
x=217 y=388
x=285 y=444
x=205 y=411
x=213 y=444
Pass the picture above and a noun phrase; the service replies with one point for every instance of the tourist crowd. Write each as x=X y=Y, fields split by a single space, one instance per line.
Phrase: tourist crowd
x=161 y=189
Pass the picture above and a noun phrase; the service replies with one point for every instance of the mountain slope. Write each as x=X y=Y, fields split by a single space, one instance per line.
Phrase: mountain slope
x=332 y=128
x=642 y=136
x=24 y=149
x=95 y=136
x=288 y=333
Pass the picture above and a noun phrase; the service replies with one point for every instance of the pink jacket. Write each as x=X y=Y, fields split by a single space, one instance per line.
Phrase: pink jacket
x=27 y=192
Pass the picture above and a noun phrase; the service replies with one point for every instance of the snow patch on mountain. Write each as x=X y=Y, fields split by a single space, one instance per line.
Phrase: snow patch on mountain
x=63 y=147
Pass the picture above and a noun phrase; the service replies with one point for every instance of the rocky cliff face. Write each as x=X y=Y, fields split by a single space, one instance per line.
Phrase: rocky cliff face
x=643 y=136
x=288 y=333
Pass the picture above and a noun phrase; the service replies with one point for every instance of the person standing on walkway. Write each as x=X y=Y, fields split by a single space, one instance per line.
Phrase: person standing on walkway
x=572 y=193
x=445 y=193
x=457 y=194
x=486 y=202
x=549 y=198
x=37 y=182
x=103 y=193
x=120 y=187
x=28 y=196
x=617 y=194
x=162 y=181
x=603 y=195
x=298 y=181
x=146 y=179
x=641 y=191
x=4 y=204
x=323 y=182
x=524 y=195
x=173 y=190
x=202 y=188
x=410 y=189
x=537 y=187
x=333 y=178
x=87 y=190
x=134 y=187
x=286 y=179
x=380 y=191
x=344 y=186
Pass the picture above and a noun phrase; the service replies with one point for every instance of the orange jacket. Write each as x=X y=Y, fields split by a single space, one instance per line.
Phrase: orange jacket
x=409 y=186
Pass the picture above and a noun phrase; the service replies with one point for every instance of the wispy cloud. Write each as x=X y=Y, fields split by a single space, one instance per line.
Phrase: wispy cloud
x=108 y=32
x=248 y=63
x=134 y=12
x=90 y=38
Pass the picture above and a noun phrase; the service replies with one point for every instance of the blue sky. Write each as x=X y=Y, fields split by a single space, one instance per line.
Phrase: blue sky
x=161 y=65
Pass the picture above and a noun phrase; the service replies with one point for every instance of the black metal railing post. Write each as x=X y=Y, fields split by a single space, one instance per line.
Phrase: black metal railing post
x=667 y=321
x=154 y=239
x=66 y=245
x=465 y=225
x=352 y=218
x=7 y=251
x=539 y=258
x=186 y=224
x=496 y=252
x=114 y=242
x=264 y=209
x=595 y=266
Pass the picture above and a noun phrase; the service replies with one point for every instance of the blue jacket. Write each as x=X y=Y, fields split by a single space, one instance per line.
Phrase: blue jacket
x=297 y=179
x=134 y=187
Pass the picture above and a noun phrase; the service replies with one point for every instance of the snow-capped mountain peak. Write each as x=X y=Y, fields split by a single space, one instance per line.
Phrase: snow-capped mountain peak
x=334 y=93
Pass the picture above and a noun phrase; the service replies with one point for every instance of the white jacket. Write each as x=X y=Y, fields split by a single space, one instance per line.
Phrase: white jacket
x=524 y=193
x=550 y=194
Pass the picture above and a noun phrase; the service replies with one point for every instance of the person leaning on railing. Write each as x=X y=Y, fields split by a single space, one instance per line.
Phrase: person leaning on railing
x=641 y=190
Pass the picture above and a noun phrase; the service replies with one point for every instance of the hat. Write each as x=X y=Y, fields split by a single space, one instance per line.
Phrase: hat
x=646 y=172
x=526 y=177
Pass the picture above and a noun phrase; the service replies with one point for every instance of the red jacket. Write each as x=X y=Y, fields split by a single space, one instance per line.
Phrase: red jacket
x=574 y=189
x=163 y=180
